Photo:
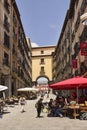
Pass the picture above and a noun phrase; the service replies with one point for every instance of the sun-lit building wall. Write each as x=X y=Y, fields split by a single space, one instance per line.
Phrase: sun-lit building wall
x=42 y=62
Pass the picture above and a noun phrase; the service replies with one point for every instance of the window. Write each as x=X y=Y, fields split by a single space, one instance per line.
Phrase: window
x=77 y=1
x=14 y=19
x=42 y=61
x=42 y=72
x=6 y=5
x=6 y=59
x=6 y=40
x=83 y=6
x=19 y=70
x=6 y=23
x=42 y=68
x=42 y=52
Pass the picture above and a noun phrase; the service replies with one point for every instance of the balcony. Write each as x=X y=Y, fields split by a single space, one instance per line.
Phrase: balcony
x=14 y=21
x=77 y=48
x=42 y=63
x=68 y=35
x=19 y=61
x=83 y=6
x=77 y=22
x=83 y=68
x=6 y=40
x=14 y=52
x=14 y=69
x=19 y=74
x=68 y=49
x=6 y=25
x=84 y=34
x=6 y=62
x=42 y=72
x=73 y=36
x=6 y=5
x=15 y=37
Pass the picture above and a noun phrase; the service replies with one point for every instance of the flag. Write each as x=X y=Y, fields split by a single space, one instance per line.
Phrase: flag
x=83 y=48
x=74 y=63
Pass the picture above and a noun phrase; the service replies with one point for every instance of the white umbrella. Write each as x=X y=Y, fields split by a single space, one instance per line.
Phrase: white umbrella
x=27 y=89
x=2 y=88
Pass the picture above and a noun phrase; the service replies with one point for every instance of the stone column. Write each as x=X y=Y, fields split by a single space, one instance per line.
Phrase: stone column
x=8 y=83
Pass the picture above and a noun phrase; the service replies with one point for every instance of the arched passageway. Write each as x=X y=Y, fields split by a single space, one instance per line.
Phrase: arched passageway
x=42 y=83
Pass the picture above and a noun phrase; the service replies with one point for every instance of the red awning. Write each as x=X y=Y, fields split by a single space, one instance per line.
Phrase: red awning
x=71 y=83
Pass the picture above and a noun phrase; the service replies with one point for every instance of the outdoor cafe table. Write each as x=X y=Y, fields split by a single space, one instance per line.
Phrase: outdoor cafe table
x=75 y=109
x=83 y=108
x=65 y=110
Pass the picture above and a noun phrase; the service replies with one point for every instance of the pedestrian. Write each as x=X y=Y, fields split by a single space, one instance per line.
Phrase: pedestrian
x=22 y=102
x=39 y=107
x=47 y=95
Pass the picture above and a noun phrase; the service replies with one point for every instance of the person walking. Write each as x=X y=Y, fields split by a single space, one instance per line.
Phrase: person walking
x=22 y=102
x=39 y=107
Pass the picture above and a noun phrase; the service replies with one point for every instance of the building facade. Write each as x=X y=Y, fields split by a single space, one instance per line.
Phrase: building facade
x=68 y=60
x=21 y=65
x=15 y=50
x=42 y=62
x=62 y=55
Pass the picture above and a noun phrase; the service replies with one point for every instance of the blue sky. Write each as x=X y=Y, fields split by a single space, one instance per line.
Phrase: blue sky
x=43 y=19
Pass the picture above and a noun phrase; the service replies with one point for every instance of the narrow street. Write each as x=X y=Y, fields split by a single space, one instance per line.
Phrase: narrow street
x=14 y=119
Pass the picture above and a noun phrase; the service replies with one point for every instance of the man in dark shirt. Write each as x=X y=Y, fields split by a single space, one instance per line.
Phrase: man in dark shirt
x=50 y=106
x=39 y=107
x=59 y=107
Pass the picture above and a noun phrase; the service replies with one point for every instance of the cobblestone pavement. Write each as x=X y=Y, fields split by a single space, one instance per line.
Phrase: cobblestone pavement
x=13 y=119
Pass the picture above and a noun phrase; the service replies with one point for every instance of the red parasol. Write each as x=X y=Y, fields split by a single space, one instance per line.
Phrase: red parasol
x=71 y=83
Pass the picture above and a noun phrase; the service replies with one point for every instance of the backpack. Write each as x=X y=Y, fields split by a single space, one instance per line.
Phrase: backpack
x=83 y=116
x=36 y=105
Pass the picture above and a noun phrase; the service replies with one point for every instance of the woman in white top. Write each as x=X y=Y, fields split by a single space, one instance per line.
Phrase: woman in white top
x=22 y=102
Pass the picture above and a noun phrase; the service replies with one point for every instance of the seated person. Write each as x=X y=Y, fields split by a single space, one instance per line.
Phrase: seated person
x=51 y=107
x=59 y=107
x=50 y=104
